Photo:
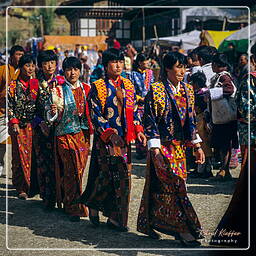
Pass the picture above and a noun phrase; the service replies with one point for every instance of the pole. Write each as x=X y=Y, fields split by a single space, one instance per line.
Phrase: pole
x=41 y=25
x=143 y=30
x=224 y=23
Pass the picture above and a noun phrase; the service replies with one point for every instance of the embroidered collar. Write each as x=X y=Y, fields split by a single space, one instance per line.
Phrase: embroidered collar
x=73 y=86
x=116 y=82
x=175 y=89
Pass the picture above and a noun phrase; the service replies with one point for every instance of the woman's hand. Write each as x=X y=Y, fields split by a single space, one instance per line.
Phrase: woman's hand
x=116 y=140
x=16 y=128
x=158 y=158
x=200 y=157
x=53 y=109
x=142 y=138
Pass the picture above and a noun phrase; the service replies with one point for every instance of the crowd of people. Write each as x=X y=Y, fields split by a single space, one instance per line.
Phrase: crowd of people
x=197 y=102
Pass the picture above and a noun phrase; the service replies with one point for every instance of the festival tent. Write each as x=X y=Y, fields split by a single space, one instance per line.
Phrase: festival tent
x=205 y=13
x=214 y=38
x=240 y=39
x=188 y=40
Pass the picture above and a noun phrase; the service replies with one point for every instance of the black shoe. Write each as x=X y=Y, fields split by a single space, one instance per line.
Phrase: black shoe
x=154 y=235
x=74 y=218
x=117 y=228
x=95 y=220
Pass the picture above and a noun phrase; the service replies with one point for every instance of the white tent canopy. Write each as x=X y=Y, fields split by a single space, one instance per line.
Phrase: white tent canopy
x=205 y=13
x=189 y=40
x=244 y=34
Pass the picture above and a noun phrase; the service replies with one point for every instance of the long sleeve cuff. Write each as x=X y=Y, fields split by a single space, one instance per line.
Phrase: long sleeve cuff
x=51 y=118
x=138 y=128
x=14 y=121
x=106 y=134
x=216 y=93
x=197 y=140
x=154 y=143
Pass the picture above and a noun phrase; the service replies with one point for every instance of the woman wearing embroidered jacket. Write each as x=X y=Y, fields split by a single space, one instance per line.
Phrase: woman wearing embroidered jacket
x=72 y=142
x=142 y=77
x=112 y=102
x=169 y=124
x=44 y=131
x=22 y=96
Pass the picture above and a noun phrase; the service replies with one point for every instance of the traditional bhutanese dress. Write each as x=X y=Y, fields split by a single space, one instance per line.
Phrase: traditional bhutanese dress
x=169 y=124
x=142 y=81
x=72 y=143
x=22 y=98
x=112 y=108
x=44 y=141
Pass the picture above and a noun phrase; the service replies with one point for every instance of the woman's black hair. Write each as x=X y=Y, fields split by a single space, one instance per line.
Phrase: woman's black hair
x=206 y=53
x=111 y=54
x=16 y=48
x=199 y=79
x=26 y=58
x=45 y=56
x=170 y=59
x=71 y=62
x=140 y=58
x=221 y=60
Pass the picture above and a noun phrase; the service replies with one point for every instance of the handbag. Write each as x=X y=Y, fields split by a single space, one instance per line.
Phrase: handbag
x=224 y=110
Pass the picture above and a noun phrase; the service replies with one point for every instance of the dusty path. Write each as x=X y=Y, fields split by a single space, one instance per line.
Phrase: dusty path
x=31 y=227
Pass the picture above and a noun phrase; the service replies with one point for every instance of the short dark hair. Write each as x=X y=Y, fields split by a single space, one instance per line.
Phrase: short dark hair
x=221 y=60
x=45 y=56
x=111 y=54
x=16 y=48
x=171 y=58
x=205 y=53
x=140 y=57
x=199 y=79
x=71 y=62
x=26 y=58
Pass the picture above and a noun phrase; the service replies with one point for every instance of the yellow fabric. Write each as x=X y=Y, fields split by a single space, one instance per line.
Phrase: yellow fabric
x=218 y=36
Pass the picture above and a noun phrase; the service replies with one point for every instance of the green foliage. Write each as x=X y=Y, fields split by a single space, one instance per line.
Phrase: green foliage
x=13 y=36
x=47 y=15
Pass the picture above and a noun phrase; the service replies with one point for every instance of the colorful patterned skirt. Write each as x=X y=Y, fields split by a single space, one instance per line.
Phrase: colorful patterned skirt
x=165 y=205
x=44 y=149
x=109 y=184
x=24 y=176
x=70 y=161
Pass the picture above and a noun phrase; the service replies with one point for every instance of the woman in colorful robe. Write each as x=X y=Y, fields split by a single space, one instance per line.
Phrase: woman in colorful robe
x=169 y=124
x=22 y=96
x=44 y=131
x=142 y=77
x=72 y=138
x=116 y=124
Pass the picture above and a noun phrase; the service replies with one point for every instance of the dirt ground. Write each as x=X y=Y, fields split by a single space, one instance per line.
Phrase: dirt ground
x=51 y=233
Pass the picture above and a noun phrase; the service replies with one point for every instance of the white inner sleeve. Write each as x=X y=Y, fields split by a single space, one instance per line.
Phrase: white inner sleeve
x=216 y=93
x=154 y=143
x=197 y=140
x=51 y=118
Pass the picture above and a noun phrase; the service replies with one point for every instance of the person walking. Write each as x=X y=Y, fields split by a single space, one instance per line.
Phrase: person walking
x=22 y=97
x=169 y=125
x=116 y=124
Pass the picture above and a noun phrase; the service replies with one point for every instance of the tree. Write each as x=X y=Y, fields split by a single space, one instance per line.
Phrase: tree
x=47 y=15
